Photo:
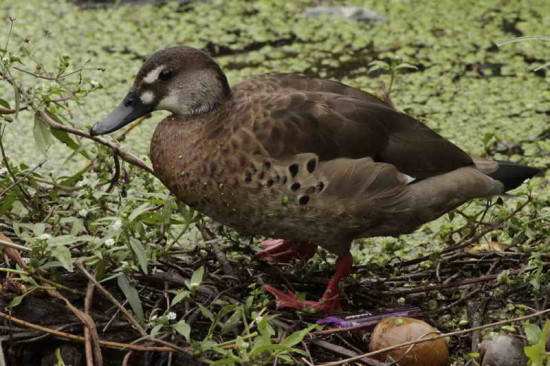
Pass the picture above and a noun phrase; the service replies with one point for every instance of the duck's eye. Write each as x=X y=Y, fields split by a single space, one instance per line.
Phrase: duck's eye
x=166 y=74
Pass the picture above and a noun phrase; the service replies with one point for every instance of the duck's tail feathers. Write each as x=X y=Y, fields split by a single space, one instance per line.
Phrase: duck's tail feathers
x=512 y=175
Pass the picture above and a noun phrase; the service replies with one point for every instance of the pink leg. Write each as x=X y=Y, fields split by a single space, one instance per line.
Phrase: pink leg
x=329 y=302
x=284 y=250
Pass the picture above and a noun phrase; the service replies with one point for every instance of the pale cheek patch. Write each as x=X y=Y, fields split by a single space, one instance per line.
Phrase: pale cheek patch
x=172 y=104
x=153 y=75
x=147 y=97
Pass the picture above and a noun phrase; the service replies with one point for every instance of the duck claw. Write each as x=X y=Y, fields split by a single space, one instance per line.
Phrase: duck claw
x=285 y=250
x=290 y=300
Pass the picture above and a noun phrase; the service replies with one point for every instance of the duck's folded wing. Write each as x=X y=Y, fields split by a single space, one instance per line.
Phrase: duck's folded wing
x=281 y=83
x=338 y=126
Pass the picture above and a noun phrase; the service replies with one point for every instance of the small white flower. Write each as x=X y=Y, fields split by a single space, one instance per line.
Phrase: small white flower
x=154 y=317
x=5 y=59
x=3 y=171
x=171 y=316
x=44 y=237
x=83 y=212
x=259 y=318
x=94 y=83
x=109 y=242
x=117 y=225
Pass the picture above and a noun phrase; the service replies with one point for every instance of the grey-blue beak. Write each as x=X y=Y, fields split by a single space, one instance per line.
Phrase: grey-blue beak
x=129 y=110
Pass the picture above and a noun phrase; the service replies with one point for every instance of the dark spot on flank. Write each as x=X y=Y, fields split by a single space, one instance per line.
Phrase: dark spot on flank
x=311 y=165
x=213 y=167
x=293 y=169
x=278 y=113
x=261 y=175
x=267 y=165
x=320 y=186
x=269 y=182
x=247 y=177
x=295 y=186
x=242 y=160
x=303 y=200
x=276 y=178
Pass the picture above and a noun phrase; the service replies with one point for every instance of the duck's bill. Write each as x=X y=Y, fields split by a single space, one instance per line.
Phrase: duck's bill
x=129 y=110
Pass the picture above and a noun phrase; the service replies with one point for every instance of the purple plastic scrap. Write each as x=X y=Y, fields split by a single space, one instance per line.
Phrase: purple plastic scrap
x=367 y=318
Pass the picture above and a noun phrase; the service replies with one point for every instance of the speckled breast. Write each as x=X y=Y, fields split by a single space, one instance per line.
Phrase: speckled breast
x=231 y=179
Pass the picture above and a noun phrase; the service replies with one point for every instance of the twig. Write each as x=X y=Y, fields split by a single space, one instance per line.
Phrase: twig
x=485 y=278
x=126 y=359
x=209 y=237
x=345 y=352
x=74 y=337
x=13 y=111
x=465 y=242
x=445 y=335
x=125 y=155
x=92 y=339
x=123 y=310
x=116 y=175
x=2 y=358
x=115 y=302
x=9 y=244
x=93 y=351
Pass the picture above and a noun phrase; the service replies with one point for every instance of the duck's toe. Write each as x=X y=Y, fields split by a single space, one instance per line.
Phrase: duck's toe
x=290 y=300
x=285 y=250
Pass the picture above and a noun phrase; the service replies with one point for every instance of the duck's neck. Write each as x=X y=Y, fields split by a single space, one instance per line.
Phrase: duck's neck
x=211 y=107
x=213 y=95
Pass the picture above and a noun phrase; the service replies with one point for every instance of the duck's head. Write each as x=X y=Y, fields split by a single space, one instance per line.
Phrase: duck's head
x=182 y=80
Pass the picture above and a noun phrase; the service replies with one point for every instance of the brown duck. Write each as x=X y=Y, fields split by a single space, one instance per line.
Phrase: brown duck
x=309 y=161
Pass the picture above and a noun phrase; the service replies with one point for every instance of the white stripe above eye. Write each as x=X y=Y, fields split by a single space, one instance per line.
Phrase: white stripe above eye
x=147 y=97
x=153 y=75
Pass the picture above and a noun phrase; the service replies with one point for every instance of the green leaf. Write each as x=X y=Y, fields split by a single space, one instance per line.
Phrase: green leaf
x=297 y=337
x=207 y=313
x=4 y=104
x=232 y=323
x=132 y=296
x=196 y=278
x=17 y=300
x=141 y=254
x=184 y=329
x=156 y=329
x=378 y=65
x=63 y=255
x=42 y=133
x=180 y=295
x=405 y=66
x=7 y=202
x=231 y=360
x=533 y=333
x=67 y=140
x=138 y=211
x=59 y=358
x=537 y=352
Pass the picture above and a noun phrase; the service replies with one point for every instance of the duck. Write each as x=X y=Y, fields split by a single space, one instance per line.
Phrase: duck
x=305 y=161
